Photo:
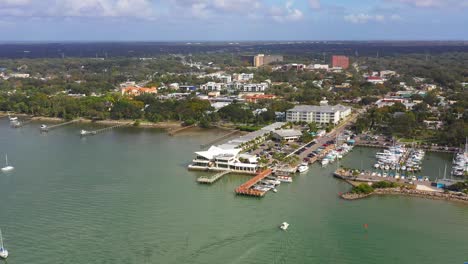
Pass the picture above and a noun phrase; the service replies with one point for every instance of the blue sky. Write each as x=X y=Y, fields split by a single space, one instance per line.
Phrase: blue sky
x=173 y=20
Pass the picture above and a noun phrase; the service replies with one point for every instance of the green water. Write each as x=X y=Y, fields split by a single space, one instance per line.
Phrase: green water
x=126 y=197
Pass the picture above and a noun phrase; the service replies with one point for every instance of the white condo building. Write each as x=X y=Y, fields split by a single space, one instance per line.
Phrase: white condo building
x=323 y=114
x=212 y=86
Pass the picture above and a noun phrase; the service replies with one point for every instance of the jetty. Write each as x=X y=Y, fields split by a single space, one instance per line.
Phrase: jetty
x=102 y=130
x=178 y=130
x=211 y=180
x=212 y=142
x=45 y=128
x=245 y=188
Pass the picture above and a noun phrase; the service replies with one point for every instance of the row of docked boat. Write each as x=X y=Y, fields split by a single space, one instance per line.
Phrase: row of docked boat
x=414 y=160
x=336 y=154
x=460 y=164
x=398 y=176
x=389 y=159
x=270 y=183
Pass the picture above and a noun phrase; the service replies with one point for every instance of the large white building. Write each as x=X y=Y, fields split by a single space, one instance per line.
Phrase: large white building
x=254 y=87
x=243 y=77
x=323 y=114
x=212 y=86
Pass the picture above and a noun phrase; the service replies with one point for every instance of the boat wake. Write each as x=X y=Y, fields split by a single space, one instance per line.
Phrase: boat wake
x=210 y=247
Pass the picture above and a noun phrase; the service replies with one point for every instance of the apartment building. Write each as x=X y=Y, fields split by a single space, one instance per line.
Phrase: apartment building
x=323 y=114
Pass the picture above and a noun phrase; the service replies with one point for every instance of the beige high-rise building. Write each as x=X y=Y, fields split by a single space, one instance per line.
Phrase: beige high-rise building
x=262 y=59
x=259 y=60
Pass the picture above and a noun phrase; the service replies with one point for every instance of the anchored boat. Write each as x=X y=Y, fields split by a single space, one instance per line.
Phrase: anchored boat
x=3 y=250
x=7 y=167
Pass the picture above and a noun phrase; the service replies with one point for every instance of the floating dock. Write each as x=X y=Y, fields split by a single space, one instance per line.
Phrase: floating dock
x=211 y=180
x=244 y=189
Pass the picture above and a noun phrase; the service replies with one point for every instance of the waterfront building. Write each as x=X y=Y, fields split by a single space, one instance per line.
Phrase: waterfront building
x=228 y=156
x=340 y=62
x=288 y=135
x=323 y=114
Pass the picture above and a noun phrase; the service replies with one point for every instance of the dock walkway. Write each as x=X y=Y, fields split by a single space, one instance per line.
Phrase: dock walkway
x=244 y=189
x=48 y=128
x=211 y=180
x=102 y=130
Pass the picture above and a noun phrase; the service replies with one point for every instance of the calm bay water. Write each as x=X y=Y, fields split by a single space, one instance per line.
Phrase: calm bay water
x=126 y=197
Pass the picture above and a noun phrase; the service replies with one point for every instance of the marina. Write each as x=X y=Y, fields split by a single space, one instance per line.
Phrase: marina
x=141 y=205
x=246 y=188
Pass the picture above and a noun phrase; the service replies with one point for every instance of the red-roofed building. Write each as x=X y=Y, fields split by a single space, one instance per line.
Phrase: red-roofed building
x=340 y=61
x=254 y=98
x=135 y=91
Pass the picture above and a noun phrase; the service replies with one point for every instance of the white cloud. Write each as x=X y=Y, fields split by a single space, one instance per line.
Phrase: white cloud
x=211 y=8
x=4 y=3
x=432 y=3
x=366 y=18
x=78 y=8
x=314 y=4
x=286 y=13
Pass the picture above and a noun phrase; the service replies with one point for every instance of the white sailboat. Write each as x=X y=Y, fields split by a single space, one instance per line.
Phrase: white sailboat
x=7 y=167
x=3 y=250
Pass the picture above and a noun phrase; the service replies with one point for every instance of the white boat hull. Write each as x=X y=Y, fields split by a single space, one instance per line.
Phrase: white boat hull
x=7 y=168
x=4 y=254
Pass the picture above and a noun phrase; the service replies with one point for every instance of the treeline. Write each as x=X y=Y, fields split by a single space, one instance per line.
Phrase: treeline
x=113 y=106
x=397 y=121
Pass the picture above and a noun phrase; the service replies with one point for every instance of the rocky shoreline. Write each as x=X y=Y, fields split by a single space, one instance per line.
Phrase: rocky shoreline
x=448 y=196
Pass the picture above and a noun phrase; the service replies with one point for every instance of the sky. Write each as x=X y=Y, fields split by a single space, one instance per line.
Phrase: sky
x=231 y=20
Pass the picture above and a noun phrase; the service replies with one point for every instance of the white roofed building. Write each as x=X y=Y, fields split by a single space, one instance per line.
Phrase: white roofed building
x=227 y=156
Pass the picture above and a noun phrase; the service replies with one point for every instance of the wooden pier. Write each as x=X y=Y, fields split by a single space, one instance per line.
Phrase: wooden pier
x=244 y=189
x=211 y=180
x=219 y=139
x=48 y=128
x=102 y=130
x=178 y=130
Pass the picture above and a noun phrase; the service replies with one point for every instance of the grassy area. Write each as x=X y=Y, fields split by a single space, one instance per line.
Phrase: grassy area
x=411 y=140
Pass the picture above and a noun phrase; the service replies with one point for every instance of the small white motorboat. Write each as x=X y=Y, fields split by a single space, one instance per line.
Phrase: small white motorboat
x=284 y=226
x=3 y=250
x=44 y=127
x=275 y=190
x=303 y=167
x=7 y=167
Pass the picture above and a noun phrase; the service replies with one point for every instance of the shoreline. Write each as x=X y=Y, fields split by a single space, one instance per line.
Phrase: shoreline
x=168 y=125
x=450 y=196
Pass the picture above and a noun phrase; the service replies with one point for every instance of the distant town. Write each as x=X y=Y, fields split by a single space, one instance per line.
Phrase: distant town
x=296 y=109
